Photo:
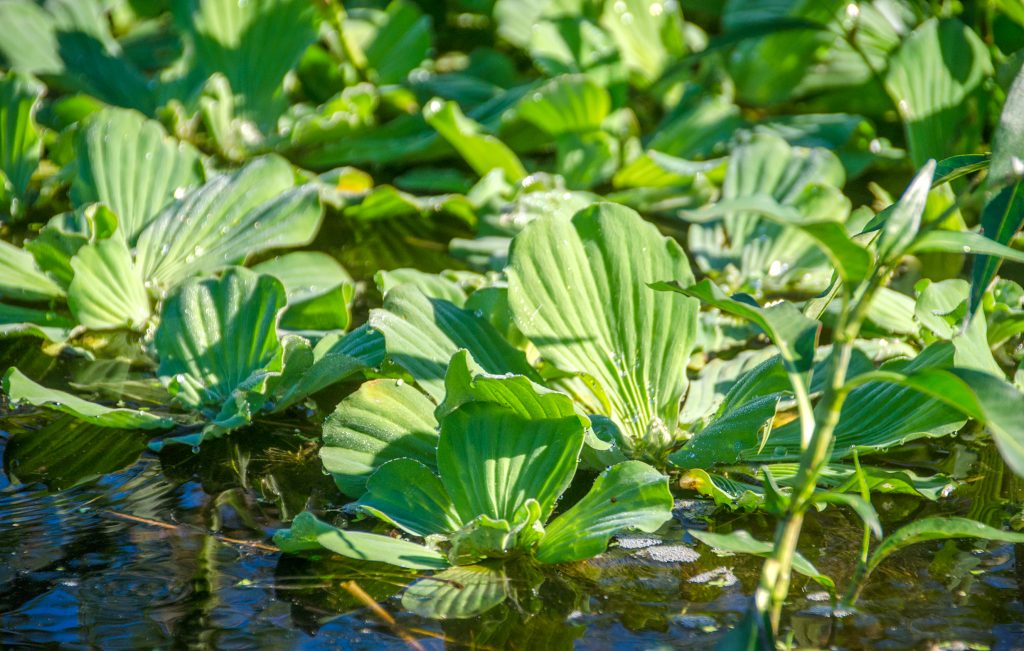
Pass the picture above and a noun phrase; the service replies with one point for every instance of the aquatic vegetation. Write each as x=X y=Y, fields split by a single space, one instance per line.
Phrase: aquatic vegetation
x=510 y=280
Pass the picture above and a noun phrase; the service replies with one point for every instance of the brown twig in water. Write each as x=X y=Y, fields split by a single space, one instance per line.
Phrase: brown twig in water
x=174 y=527
x=356 y=591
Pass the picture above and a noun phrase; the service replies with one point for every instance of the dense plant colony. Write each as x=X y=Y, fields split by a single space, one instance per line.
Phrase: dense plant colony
x=498 y=249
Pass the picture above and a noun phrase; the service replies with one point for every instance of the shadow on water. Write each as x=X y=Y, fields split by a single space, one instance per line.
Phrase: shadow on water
x=109 y=545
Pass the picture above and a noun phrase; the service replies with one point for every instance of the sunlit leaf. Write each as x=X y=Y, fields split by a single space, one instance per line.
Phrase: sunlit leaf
x=20 y=139
x=628 y=496
x=308 y=533
x=409 y=495
x=741 y=542
x=482 y=152
x=381 y=421
x=21 y=389
x=457 y=593
x=218 y=344
x=578 y=290
x=132 y=166
x=230 y=217
x=107 y=291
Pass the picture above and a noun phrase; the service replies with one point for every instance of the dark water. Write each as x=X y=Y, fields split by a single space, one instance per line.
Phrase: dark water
x=107 y=545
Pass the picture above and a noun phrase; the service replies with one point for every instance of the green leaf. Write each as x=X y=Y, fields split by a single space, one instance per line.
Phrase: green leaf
x=900 y=228
x=410 y=496
x=21 y=145
x=432 y=285
x=132 y=166
x=930 y=78
x=954 y=167
x=578 y=290
x=383 y=420
x=481 y=151
x=898 y=413
x=741 y=542
x=779 y=248
x=421 y=335
x=16 y=320
x=1008 y=139
x=458 y=592
x=852 y=261
x=856 y=503
x=394 y=41
x=648 y=34
x=937 y=528
x=217 y=341
x=318 y=290
x=253 y=44
x=21 y=278
x=734 y=431
x=628 y=496
x=308 y=533
x=967 y=242
x=21 y=389
x=492 y=459
x=465 y=383
x=1001 y=404
x=65 y=234
x=795 y=335
x=230 y=217
x=1001 y=218
x=566 y=104
x=107 y=291
x=30 y=40
x=335 y=358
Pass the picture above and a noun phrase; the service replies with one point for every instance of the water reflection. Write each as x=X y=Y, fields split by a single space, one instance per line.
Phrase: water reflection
x=170 y=550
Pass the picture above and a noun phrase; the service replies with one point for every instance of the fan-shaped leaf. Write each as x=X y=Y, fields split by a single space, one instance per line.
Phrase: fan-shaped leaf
x=930 y=78
x=20 y=141
x=381 y=421
x=578 y=290
x=567 y=104
x=492 y=459
x=218 y=337
x=629 y=495
x=421 y=335
x=457 y=593
x=230 y=217
x=318 y=289
x=410 y=496
x=107 y=291
x=21 y=278
x=132 y=166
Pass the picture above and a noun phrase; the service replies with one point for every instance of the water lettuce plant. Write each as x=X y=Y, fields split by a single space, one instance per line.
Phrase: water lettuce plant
x=505 y=453
x=516 y=274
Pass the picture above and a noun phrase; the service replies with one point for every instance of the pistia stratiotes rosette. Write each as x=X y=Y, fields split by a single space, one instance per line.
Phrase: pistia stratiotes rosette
x=506 y=452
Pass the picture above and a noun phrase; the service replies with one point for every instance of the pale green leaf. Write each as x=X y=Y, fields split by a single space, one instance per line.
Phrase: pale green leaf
x=308 y=533
x=218 y=337
x=421 y=335
x=578 y=290
x=457 y=593
x=21 y=143
x=132 y=166
x=628 y=496
x=492 y=459
x=381 y=421
x=317 y=287
x=20 y=389
x=482 y=152
x=230 y=217
x=21 y=278
x=900 y=228
x=107 y=291
x=410 y=496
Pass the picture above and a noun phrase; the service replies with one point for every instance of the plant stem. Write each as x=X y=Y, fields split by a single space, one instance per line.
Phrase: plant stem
x=773 y=587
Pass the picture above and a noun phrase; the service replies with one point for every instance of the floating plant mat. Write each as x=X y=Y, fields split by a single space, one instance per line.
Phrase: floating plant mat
x=512 y=324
